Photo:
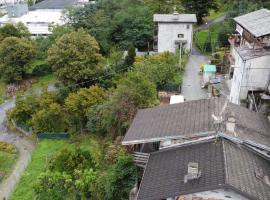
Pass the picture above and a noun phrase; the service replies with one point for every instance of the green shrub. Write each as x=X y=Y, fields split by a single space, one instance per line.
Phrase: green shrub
x=9 y=148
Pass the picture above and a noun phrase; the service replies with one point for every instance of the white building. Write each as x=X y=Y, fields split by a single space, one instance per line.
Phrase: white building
x=250 y=56
x=41 y=16
x=38 y=22
x=173 y=31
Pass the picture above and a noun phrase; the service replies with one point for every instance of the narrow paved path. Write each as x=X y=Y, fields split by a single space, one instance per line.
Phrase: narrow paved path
x=209 y=23
x=24 y=146
x=191 y=87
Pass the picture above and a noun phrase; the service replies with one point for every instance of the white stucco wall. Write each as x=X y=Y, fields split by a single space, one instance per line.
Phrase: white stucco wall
x=249 y=75
x=168 y=33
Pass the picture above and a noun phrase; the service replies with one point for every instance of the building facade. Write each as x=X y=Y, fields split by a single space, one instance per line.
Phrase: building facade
x=173 y=31
x=41 y=16
x=250 y=57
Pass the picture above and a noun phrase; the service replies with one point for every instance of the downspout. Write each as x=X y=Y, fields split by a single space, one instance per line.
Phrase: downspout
x=242 y=74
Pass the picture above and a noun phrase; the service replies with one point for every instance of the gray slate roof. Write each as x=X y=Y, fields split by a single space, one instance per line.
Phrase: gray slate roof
x=194 y=118
x=222 y=165
x=53 y=4
x=175 y=18
x=257 y=22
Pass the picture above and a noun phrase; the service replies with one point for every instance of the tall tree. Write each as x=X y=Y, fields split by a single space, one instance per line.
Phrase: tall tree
x=79 y=103
x=75 y=58
x=15 y=55
x=199 y=7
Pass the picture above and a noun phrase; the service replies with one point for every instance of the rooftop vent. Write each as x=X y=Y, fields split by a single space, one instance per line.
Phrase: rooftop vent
x=230 y=124
x=193 y=172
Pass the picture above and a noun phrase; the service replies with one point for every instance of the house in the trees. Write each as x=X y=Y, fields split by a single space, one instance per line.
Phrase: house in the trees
x=216 y=169
x=250 y=58
x=173 y=31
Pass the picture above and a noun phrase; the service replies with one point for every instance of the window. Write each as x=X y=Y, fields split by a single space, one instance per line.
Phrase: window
x=180 y=35
x=188 y=26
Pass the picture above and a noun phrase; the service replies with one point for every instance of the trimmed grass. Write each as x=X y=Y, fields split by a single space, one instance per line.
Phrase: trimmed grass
x=44 y=151
x=201 y=38
x=214 y=14
x=44 y=81
x=2 y=91
x=7 y=159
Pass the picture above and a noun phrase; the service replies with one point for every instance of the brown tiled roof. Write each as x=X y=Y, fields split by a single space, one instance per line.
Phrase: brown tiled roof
x=222 y=164
x=194 y=118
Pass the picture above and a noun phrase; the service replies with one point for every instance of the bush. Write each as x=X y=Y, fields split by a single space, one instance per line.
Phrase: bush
x=9 y=148
x=40 y=68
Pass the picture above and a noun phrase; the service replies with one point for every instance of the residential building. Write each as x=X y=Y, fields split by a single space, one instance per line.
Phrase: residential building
x=216 y=169
x=250 y=57
x=173 y=31
x=41 y=16
x=154 y=129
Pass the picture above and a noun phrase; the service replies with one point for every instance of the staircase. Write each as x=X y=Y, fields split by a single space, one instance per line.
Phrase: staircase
x=140 y=159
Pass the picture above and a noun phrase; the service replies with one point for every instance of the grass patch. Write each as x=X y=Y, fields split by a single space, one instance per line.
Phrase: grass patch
x=8 y=156
x=202 y=36
x=44 y=81
x=44 y=151
x=214 y=14
x=2 y=91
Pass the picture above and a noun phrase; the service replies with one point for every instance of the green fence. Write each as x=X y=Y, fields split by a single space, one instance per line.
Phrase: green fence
x=51 y=135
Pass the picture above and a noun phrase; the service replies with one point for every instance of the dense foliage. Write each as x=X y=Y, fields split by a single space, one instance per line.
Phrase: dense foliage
x=15 y=55
x=76 y=174
x=75 y=58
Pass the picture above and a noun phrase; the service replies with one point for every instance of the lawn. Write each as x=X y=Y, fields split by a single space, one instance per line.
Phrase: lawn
x=8 y=156
x=201 y=37
x=215 y=14
x=2 y=91
x=44 y=81
x=45 y=149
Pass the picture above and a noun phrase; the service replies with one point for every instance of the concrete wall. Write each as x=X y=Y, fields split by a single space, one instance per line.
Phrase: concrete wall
x=249 y=75
x=168 y=33
x=219 y=194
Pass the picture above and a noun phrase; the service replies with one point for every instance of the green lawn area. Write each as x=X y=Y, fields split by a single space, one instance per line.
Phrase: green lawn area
x=214 y=14
x=44 y=81
x=45 y=149
x=7 y=159
x=2 y=91
x=201 y=37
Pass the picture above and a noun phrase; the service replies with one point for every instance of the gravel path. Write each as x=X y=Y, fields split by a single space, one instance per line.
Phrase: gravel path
x=24 y=146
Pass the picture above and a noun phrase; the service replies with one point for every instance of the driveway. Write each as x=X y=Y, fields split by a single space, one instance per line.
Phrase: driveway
x=191 y=87
x=24 y=146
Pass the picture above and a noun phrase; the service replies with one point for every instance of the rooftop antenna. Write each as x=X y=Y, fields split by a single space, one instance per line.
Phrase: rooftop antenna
x=219 y=120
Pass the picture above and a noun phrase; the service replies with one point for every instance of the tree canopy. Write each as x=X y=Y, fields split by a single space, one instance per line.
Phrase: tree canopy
x=15 y=55
x=75 y=58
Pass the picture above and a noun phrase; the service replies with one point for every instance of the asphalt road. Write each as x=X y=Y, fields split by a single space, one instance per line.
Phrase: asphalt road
x=191 y=87
x=209 y=23
x=24 y=146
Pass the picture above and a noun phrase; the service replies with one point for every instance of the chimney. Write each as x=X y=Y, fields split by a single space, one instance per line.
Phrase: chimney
x=230 y=124
x=193 y=172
